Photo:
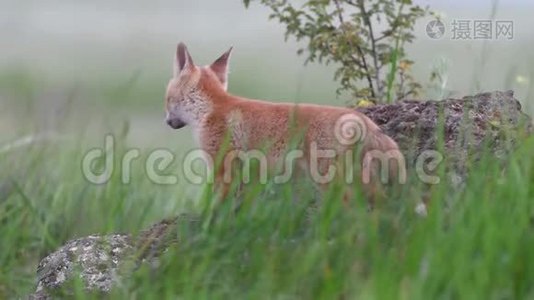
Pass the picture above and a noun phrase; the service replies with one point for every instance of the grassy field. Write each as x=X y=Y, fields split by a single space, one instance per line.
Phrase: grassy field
x=58 y=105
x=474 y=244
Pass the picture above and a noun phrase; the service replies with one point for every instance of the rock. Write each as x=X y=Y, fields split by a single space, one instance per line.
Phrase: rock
x=96 y=257
x=494 y=118
x=469 y=125
x=101 y=261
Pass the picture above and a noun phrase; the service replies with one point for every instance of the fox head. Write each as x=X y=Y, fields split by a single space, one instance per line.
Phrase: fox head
x=190 y=90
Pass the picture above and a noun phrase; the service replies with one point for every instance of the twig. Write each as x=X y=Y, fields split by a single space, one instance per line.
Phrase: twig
x=373 y=46
x=358 y=48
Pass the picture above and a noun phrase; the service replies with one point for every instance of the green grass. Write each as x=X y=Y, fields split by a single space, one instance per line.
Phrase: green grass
x=475 y=244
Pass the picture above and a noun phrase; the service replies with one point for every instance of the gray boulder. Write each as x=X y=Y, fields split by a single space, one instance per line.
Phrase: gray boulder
x=466 y=127
x=100 y=262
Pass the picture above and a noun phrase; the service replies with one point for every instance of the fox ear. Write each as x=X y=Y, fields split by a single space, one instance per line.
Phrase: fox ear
x=220 y=67
x=182 y=60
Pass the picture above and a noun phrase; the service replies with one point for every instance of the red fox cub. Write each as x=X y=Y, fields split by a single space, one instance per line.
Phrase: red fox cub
x=231 y=127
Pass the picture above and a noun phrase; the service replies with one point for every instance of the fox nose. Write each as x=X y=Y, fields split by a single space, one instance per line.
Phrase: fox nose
x=175 y=123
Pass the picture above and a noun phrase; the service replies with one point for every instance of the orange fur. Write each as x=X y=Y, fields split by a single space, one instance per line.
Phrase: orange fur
x=197 y=96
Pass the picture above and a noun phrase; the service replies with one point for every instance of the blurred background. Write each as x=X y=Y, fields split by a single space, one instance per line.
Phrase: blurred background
x=90 y=67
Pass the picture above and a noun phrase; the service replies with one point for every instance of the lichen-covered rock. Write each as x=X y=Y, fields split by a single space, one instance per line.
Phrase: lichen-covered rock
x=467 y=126
x=95 y=258
x=101 y=261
